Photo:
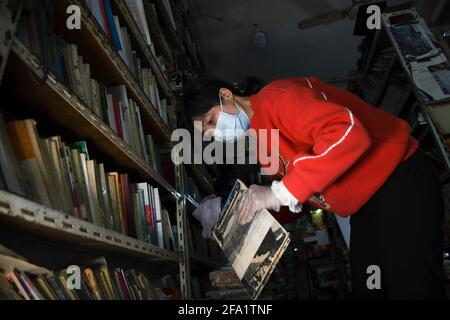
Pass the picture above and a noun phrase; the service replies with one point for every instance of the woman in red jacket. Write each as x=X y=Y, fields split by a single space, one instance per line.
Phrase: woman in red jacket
x=359 y=160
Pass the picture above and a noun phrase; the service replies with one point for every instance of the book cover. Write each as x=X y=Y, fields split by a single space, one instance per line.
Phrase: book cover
x=41 y=282
x=112 y=24
x=253 y=249
x=139 y=212
x=134 y=127
x=138 y=11
x=114 y=202
x=55 y=284
x=123 y=284
x=81 y=182
x=89 y=277
x=127 y=47
x=117 y=285
x=123 y=183
x=139 y=290
x=102 y=285
x=96 y=98
x=84 y=171
x=56 y=165
x=94 y=5
x=76 y=70
x=105 y=196
x=105 y=19
x=7 y=291
x=100 y=266
x=29 y=164
x=151 y=151
x=119 y=34
x=110 y=118
x=87 y=86
x=99 y=215
x=28 y=285
x=121 y=93
x=8 y=162
x=17 y=285
x=72 y=294
x=148 y=211
x=159 y=224
x=82 y=147
x=143 y=219
x=103 y=104
x=77 y=206
x=116 y=109
x=154 y=229
x=143 y=146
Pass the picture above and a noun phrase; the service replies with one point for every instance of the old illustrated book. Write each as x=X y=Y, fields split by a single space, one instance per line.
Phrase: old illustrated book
x=253 y=250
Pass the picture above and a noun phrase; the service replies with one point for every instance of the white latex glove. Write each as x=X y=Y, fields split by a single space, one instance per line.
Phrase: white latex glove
x=208 y=213
x=255 y=199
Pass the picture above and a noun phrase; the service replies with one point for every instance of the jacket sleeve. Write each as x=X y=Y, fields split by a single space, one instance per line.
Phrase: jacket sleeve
x=337 y=139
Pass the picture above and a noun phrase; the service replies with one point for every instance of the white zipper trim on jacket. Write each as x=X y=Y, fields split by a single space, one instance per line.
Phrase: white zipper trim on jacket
x=334 y=145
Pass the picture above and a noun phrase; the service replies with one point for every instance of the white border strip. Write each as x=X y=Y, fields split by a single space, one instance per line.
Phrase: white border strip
x=334 y=145
x=309 y=83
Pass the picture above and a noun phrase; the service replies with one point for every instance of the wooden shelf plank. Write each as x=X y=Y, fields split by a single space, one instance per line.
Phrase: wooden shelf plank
x=21 y=214
x=66 y=111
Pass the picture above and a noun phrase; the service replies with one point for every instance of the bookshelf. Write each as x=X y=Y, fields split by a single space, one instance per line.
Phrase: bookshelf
x=388 y=82
x=158 y=35
x=21 y=214
x=162 y=78
x=102 y=55
x=377 y=80
x=176 y=37
x=73 y=114
x=45 y=95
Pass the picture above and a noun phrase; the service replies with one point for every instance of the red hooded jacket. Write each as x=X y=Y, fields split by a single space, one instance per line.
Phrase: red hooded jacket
x=333 y=143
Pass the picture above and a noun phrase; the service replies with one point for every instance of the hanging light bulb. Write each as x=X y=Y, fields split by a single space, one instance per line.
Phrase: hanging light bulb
x=259 y=38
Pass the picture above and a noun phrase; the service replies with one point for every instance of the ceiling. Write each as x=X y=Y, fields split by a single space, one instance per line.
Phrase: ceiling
x=229 y=53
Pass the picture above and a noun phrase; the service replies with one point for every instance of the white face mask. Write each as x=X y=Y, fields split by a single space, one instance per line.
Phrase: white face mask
x=230 y=127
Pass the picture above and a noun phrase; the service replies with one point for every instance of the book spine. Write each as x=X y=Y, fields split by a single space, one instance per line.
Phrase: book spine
x=117 y=117
x=105 y=19
x=123 y=192
x=123 y=285
x=114 y=33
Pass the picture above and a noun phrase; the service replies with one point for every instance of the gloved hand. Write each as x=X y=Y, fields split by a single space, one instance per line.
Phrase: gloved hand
x=208 y=213
x=255 y=199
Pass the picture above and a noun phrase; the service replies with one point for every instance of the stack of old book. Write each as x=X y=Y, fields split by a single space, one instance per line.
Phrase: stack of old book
x=95 y=280
x=226 y=285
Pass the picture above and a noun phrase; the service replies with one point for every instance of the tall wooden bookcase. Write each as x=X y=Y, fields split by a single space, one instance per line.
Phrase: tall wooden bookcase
x=52 y=99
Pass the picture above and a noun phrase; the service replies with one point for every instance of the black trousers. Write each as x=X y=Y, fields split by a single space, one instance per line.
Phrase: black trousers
x=400 y=230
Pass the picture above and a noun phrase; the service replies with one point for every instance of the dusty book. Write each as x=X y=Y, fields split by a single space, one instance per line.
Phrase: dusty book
x=253 y=250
